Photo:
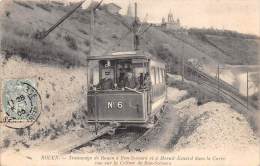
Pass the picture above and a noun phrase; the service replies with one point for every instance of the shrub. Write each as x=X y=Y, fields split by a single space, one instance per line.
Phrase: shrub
x=87 y=43
x=7 y=13
x=221 y=32
x=58 y=35
x=36 y=136
x=100 y=40
x=6 y=143
x=37 y=51
x=45 y=7
x=58 y=3
x=71 y=42
x=19 y=132
x=87 y=52
x=24 y=4
x=83 y=31
x=23 y=32
x=196 y=91
x=114 y=36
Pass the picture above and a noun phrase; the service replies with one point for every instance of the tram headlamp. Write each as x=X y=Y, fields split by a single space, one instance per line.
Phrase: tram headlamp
x=115 y=85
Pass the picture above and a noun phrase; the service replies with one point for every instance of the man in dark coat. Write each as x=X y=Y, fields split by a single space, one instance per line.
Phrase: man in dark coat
x=106 y=83
x=131 y=81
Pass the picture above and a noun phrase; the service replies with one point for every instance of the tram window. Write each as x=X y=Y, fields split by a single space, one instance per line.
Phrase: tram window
x=101 y=74
x=139 y=70
x=123 y=67
x=107 y=73
x=161 y=73
x=157 y=80
x=157 y=76
x=163 y=76
x=114 y=74
x=153 y=75
x=93 y=73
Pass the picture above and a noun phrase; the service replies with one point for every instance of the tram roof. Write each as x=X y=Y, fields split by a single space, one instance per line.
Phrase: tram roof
x=124 y=55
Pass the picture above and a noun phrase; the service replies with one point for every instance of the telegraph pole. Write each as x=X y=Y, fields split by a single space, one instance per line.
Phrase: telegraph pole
x=92 y=26
x=92 y=31
x=135 y=24
x=218 y=81
x=247 y=82
x=247 y=90
x=182 y=68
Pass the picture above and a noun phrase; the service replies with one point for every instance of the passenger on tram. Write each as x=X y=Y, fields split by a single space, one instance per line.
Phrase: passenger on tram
x=106 y=83
x=141 y=80
x=121 y=79
x=131 y=81
x=147 y=81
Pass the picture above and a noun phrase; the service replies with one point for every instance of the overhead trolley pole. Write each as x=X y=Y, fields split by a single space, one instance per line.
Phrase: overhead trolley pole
x=135 y=26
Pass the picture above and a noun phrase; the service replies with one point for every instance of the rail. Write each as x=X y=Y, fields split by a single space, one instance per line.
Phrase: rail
x=220 y=85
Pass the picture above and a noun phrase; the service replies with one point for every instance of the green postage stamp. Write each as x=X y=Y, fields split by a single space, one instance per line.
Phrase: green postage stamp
x=21 y=103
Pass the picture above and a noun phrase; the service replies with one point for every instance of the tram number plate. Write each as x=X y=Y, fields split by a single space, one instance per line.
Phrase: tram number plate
x=118 y=105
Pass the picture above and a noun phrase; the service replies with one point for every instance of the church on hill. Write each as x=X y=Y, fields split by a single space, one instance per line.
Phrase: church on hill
x=171 y=23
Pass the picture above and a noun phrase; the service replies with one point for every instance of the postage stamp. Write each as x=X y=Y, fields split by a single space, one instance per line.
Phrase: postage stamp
x=21 y=103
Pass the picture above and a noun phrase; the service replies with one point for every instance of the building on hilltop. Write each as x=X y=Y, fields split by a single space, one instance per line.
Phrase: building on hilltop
x=112 y=8
x=171 y=23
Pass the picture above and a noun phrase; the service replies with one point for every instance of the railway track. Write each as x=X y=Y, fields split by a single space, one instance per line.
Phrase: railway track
x=224 y=94
x=130 y=137
x=226 y=89
x=140 y=139
x=221 y=87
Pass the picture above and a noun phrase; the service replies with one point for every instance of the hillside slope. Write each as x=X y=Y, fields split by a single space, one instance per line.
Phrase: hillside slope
x=69 y=44
x=233 y=50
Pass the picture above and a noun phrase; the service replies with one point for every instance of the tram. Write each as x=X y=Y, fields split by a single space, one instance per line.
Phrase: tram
x=112 y=99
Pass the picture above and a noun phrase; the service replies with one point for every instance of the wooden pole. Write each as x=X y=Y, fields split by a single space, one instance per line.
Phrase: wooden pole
x=92 y=22
x=218 y=82
x=135 y=11
x=182 y=68
x=247 y=90
x=92 y=39
x=135 y=29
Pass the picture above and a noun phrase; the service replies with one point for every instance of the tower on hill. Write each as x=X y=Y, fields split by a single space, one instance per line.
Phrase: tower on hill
x=130 y=10
x=172 y=23
x=170 y=17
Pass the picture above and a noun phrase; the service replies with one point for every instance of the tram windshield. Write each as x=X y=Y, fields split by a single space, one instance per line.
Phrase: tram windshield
x=118 y=74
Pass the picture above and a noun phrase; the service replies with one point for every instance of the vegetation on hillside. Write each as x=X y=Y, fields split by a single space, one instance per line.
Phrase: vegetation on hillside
x=69 y=44
x=19 y=41
x=218 y=32
x=225 y=47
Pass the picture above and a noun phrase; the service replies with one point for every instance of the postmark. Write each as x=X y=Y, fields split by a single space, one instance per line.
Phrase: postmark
x=21 y=103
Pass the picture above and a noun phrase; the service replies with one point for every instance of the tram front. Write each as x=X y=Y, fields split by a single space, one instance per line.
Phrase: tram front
x=118 y=89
